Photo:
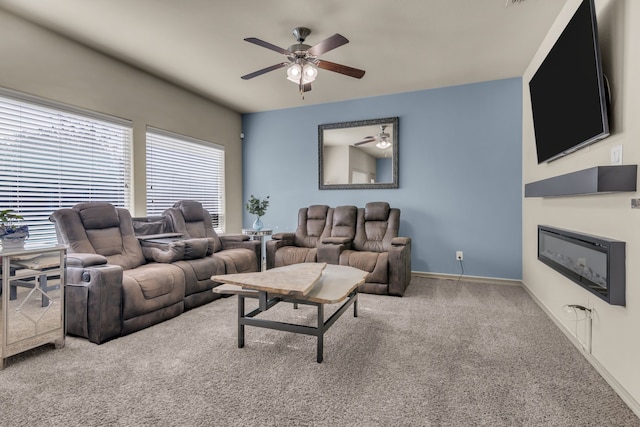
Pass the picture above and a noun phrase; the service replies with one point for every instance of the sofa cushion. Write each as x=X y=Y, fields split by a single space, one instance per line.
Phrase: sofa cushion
x=109 y=232
x=375 y=263
x=312 y=224
x=376 y=211
x=195 y=248
x=344 y=222
x=151 y=287
x=317 y=212
x=238 y=260
x=198 y=272
x=97 y=215
x=294 y=255
x=191 y=210
x=152 y=284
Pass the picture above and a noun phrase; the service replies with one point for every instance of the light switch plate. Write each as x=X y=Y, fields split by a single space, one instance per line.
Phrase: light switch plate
x=616 y=155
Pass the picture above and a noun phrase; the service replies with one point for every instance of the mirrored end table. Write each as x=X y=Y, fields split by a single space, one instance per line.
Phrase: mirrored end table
x=32 y=309
x=259 y=235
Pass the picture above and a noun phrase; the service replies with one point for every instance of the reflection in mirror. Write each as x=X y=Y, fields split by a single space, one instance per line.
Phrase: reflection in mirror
x=361 y=154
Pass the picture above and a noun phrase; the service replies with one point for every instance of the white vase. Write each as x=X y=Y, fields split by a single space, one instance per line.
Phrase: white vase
x=13 y=239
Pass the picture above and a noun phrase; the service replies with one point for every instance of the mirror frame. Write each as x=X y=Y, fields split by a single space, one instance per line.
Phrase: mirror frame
x=329 y=126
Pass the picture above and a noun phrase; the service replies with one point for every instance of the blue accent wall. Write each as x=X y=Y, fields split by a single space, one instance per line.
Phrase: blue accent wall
x=460 y=171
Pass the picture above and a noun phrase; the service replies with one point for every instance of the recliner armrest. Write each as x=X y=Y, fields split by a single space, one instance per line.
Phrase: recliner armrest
x=336 y=240
x=246 y=244
x=253 y=245
x=164 y=253
x=401 y=241
x=283 y=236
x=281 y=240
x=399 y=259
x=93 y=302
x=233 y=238
x=330 y=249
x=85 y=260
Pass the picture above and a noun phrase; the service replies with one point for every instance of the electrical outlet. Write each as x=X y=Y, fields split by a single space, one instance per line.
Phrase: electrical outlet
x=459 y=256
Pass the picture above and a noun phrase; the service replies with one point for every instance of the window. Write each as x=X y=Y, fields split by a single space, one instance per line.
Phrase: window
x=55 y=156
x=178 y=168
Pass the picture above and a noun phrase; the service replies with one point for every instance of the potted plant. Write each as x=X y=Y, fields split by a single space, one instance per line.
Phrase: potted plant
x=12 y=235
x=257 y=207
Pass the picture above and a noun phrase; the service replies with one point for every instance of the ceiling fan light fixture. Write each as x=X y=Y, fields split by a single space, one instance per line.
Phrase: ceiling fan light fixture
x=384 y=143
x=293 y=72
x=302 y=72
x=310 y=72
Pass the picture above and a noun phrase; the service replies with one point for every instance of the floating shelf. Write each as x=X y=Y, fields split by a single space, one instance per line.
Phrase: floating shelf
x=596 y=180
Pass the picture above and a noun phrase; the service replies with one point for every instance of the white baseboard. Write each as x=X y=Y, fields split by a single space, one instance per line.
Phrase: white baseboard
x=633 y=404
x=474 y=279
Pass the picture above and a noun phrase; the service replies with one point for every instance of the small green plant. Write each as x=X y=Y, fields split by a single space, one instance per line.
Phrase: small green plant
x=7 y=217
x=257 y=206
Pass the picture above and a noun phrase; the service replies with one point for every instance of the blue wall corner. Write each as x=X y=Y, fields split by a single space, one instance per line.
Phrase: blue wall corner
x=460 y=177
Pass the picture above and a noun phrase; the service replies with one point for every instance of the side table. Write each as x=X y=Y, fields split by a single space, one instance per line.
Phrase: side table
x=259 y=235
x=32 y=309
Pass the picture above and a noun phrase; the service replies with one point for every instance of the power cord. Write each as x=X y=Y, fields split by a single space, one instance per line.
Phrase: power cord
x=574 y=308
x=461 y=269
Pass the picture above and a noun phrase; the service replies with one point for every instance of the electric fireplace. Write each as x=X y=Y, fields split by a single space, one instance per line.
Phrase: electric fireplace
x=595 y=263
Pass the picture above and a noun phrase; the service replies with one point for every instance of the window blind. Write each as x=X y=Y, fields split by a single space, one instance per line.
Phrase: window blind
x=179 y=168
x=52 y=156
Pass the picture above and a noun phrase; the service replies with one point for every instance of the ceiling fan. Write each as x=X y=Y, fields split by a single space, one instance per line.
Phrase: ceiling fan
x=303 y=59
x=382 y=137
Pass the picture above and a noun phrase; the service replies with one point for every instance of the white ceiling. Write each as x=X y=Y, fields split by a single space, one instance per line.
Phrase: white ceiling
x=404 y=45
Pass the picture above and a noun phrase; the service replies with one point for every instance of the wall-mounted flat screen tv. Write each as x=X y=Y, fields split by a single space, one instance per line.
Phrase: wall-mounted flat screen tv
x=568 y=96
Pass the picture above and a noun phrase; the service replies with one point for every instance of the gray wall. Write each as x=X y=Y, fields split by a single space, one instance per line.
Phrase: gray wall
x=460 y=171
x=38 y=62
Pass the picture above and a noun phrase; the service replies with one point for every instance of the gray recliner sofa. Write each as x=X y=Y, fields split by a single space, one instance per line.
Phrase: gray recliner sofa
x=364 y=238
x=117 y=285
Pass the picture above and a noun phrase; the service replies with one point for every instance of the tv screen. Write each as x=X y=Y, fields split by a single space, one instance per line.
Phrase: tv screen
x=568 y=98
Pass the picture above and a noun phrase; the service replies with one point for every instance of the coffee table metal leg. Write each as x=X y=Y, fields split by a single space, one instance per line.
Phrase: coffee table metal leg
x=240 y=324
x=355 y=304
x=320 y=330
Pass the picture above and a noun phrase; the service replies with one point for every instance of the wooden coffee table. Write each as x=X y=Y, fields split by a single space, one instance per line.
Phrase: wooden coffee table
x=313 y=284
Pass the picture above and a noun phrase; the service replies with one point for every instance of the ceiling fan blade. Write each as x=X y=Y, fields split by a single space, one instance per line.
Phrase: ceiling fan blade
x=267 y=45
x=328 y=44
x=264 y=70
x=342 y=69
x=366 y=141
x=306 y=87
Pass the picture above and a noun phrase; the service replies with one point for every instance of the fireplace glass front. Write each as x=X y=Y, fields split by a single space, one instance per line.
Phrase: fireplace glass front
x=595 y=263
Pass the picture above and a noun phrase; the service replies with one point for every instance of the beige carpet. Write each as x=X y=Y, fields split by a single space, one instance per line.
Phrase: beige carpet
x=447 y=354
